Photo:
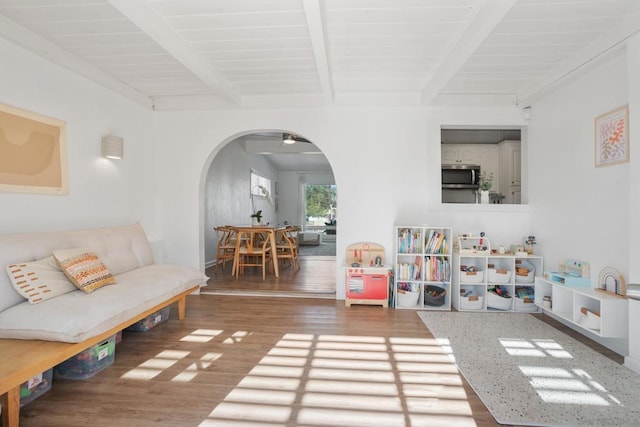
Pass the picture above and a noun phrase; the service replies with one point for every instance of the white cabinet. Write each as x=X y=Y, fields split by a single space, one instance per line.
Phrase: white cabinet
x=422 y=278
x=492 y=282
x=489 y=163
x=461 y=154
x=602 y=314
x=510 y=171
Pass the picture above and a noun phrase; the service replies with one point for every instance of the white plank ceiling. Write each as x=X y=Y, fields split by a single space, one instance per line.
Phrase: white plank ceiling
x=252 y=53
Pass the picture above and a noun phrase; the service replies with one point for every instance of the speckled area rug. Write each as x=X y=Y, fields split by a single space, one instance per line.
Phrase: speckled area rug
x=529 y=373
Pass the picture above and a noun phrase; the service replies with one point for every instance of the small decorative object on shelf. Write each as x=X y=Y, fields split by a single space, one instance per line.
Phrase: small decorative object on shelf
x=612 y=282
x=529 y=242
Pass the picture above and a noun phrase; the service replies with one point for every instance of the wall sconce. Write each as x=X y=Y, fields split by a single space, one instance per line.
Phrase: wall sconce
x=526 y=113
x=112 y=147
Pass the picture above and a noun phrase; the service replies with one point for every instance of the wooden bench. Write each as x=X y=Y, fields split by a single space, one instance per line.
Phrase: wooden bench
x=21 y=360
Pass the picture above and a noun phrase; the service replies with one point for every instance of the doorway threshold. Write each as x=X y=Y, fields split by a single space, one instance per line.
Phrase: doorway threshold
x=288 y=294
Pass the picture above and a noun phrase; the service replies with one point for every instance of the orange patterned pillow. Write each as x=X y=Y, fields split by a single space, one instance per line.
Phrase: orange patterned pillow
x=83 y=268
x=40 y=280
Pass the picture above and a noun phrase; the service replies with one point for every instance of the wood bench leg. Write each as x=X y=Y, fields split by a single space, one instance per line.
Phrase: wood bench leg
x=182 y=304
x=11 y=407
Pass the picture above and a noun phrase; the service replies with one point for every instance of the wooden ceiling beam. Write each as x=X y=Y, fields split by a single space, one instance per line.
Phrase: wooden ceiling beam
x=45 y=49
x=609 y=41
x=315 y=23
x=142 y=15
x=489 y=15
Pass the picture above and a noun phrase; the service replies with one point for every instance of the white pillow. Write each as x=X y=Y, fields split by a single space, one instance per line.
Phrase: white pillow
x=39 y=280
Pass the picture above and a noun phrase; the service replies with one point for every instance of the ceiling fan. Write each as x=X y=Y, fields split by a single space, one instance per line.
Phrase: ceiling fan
x=290 y=138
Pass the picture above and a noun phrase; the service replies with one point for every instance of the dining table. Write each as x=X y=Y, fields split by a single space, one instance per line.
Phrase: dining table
x=268 y=231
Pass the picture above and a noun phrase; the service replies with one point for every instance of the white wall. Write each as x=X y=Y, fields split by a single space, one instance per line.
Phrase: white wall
x=579 y=211
x=101 y=192
x=226 y=192
x=386 y=163
x=633 y=73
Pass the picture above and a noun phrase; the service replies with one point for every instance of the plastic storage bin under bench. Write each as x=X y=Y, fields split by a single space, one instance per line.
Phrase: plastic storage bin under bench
x=35 y=387
x=151 y=321
x=87 y=363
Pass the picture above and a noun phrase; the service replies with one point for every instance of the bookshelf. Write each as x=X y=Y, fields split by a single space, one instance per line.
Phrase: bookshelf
x=422 y=278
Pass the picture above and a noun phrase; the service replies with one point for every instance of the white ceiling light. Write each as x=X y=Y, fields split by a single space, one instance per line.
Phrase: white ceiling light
x=288 y=139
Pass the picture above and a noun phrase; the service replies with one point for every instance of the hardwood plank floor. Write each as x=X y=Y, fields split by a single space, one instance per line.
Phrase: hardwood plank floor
x=249 y=361
x=316 y=278
x=272 y=361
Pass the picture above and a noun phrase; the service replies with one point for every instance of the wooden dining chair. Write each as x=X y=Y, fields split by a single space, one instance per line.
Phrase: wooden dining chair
x=226 y=246
x=287 y=247
x=253 y=249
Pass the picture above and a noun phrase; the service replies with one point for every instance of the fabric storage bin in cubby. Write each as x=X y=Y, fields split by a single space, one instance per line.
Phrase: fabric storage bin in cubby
x=434 y=295
x=87 y=363
x=470 y=300
x=499 y=302
x=525 y=272
x=150 y=321
x=471 y=276
x=408 y=298
x=35 y=387
x=524 y=299
x=524 y=305
x=497 y=275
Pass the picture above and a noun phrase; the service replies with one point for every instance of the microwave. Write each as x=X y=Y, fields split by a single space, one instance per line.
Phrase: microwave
x=461 y=177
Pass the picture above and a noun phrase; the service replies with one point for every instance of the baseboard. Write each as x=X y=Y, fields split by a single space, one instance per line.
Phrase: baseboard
x=632 y=363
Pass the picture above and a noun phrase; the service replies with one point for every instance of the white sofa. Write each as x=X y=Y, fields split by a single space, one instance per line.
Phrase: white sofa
x=77 y=316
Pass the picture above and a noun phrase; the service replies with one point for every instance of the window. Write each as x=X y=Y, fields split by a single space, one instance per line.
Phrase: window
x=321 y=203
x=258 y=181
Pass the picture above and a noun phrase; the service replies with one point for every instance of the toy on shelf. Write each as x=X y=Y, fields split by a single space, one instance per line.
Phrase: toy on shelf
x=611 y=281
x=467 y=244
x=572 y=273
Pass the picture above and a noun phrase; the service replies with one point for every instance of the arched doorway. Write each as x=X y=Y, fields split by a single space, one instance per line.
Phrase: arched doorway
x=258 y=171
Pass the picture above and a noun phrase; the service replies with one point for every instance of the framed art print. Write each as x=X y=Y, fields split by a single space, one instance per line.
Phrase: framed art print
x=33 y=152
x=612 y=137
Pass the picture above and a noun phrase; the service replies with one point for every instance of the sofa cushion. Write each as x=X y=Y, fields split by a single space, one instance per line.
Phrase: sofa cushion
x=121 y=249
x=83 y=268
x=40 y=280
x=76 y=316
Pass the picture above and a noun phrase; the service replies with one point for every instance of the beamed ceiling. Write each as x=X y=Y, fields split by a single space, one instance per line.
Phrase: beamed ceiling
x=175 y=54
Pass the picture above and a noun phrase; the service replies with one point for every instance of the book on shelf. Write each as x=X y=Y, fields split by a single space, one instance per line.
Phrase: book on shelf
x=410 y=271
x=436 y=242
x=409 y=241
x=437 y=269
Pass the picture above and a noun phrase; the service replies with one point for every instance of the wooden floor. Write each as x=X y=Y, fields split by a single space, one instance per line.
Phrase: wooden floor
x=315 y=278
x=248 y=361
x=271 y=361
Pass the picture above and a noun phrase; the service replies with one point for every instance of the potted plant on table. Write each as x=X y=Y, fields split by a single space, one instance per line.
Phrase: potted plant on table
x=256 y=218
x=486 y=182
